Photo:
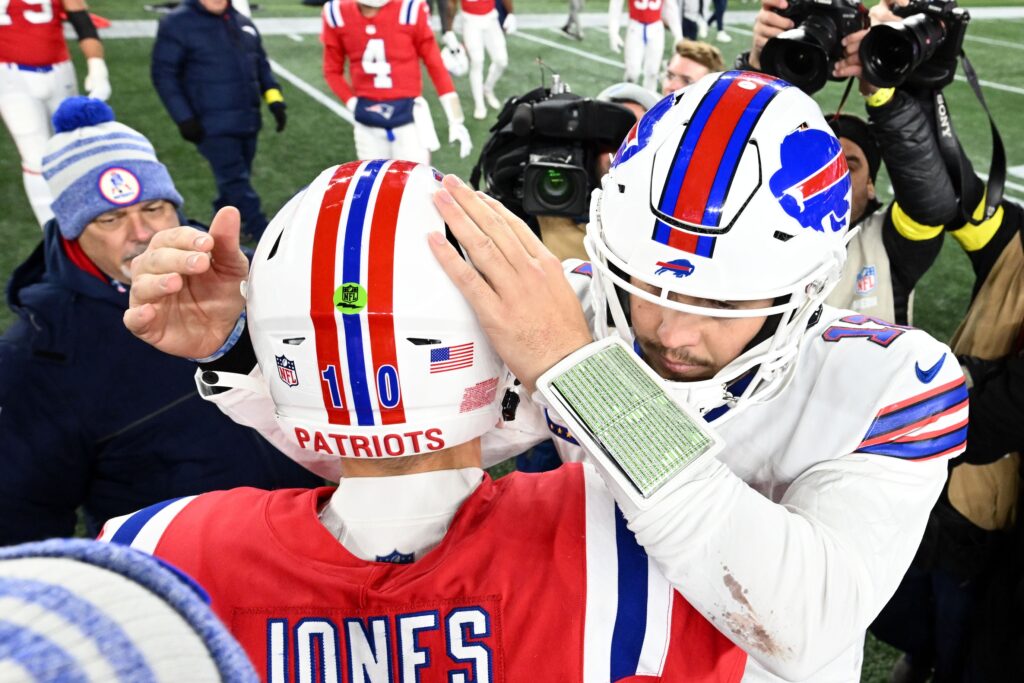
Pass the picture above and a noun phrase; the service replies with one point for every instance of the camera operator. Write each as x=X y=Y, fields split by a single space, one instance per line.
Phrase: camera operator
x=897 y=243
x=548 y=152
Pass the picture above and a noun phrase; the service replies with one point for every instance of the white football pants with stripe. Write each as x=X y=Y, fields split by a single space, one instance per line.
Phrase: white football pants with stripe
x=480 y=32
x=27 y=102
x=643 y=50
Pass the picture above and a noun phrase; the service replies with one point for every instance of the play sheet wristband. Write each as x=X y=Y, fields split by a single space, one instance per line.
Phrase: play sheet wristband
x=620 y=412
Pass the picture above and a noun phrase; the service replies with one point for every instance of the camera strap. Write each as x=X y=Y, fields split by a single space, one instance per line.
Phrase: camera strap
x=956 y=160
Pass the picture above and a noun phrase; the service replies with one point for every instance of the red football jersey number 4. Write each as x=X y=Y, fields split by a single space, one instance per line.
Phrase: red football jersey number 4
x=375 y=62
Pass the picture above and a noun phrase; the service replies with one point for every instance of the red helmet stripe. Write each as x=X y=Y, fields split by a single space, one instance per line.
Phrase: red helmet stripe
x=380 y=284
x=321 y=296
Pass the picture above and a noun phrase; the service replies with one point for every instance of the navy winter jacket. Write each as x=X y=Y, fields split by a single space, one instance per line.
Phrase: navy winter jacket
x=91 y=416
x=211 y=68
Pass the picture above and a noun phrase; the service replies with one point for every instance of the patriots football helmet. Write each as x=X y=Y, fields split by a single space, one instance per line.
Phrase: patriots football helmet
x=734 y=189
x=366 y=347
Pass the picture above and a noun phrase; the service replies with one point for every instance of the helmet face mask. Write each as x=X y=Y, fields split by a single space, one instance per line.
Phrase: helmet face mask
x=736 y=190
x=366 y=347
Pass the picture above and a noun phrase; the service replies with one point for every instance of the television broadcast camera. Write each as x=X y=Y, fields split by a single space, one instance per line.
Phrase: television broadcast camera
x=805 y=54
x=541 y=157
x=921 y=50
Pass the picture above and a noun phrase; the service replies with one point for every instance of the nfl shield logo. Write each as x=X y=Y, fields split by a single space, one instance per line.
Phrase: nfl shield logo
x=286 y=371
x=866 y=279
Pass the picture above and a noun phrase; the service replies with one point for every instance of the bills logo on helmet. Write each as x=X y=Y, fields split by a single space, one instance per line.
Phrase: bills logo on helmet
x=866 y=279
x=813 y=182
x=286 y=371
x=119 y=186
x=678 y=267
x=640 y=134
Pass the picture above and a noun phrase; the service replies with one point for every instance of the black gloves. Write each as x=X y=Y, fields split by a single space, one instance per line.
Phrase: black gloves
x=191 y=130
x=278 y=110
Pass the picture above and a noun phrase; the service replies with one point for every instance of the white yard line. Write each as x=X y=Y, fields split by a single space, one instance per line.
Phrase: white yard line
x=313 y=92
x=296 y=37
x=565 y=48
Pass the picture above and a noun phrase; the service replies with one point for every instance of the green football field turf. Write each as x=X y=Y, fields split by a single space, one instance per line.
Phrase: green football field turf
x=317 y=138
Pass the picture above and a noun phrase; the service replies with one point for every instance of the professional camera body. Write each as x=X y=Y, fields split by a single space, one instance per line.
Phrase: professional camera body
x=921 y=50
x=541 y=157
x=804 y=55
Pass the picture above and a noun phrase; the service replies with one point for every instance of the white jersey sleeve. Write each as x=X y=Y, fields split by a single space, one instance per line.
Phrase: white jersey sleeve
x=795 y=571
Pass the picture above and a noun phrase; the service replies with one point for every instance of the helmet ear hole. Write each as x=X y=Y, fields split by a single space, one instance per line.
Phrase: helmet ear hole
x=454 y=242
x=277 y=243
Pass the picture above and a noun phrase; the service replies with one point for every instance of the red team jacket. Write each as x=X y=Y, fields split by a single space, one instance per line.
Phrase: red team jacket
x=383 y=52
x=538 y=580
x=31 y=34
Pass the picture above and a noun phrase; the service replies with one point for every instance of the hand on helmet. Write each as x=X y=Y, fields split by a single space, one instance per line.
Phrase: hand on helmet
x=516 y=286
x=185 y=297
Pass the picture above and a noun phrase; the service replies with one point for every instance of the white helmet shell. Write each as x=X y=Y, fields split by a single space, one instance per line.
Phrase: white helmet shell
x=733 y=189
x=373 y=3
x=368 y=349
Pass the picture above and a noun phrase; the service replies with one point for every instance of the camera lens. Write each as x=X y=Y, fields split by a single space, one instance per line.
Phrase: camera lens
x=801 y=55
x=553 y=186
x=890 y=52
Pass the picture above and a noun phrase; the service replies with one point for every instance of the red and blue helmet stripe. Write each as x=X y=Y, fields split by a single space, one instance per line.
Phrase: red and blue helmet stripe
x=375 y=356
x=707 y=158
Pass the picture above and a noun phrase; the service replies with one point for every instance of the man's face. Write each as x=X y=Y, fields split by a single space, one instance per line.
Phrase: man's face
x=684 y=347
x=604 y=161
x=215 y=6
x=682 y=72
x=863 y=189
x=114 y=238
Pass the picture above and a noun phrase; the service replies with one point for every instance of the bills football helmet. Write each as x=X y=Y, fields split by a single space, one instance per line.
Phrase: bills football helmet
x=734 y=189
x=366 y=347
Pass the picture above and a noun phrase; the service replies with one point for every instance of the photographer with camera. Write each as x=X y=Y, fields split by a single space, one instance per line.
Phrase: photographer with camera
x=549 y=150
x=896 y=244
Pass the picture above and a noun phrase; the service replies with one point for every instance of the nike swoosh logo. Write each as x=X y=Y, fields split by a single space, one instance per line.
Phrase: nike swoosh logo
x=928 y=375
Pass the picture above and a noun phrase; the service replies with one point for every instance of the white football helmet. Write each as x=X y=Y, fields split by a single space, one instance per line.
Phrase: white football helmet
x=734 y=189
x=373 y=3
x=455 y=60
x=367 y=348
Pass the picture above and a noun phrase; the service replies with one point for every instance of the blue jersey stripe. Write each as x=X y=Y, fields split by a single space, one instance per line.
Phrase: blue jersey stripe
x=691 y=136
x=631 y=616
x=733 y=151
x=915 y=450
x=350 y=272
x=133 y=525
x=408 y=11
x=905 y=417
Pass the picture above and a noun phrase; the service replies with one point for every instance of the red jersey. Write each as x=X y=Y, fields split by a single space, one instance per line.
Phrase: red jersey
x=537 y=579
x=645 y=11
x=477 y=6
x=31 y=33
x=383 y=51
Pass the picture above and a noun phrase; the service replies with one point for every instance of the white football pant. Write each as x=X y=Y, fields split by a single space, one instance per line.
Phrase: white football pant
x=642 y=52
x=480 y=32
x=411 y=142
x=27 y=102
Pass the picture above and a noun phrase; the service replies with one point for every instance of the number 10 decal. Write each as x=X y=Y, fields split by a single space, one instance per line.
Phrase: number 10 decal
x=330 y=377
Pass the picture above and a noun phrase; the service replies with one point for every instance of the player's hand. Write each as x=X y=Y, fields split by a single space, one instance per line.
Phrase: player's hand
x=185 y=296
x=615 y=41
x=457 y=132
x=280 y=116
x=450 y=40
x=351 y=103
x=510 y=24
x=191 y=130
x=97 y=79
x=516 y=286
x=767 y=25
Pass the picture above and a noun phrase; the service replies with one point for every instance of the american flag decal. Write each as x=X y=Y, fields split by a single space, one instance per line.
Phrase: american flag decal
x=448 y=358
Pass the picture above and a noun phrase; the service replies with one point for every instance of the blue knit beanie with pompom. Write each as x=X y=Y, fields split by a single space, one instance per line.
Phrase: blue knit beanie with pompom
x=95 y=164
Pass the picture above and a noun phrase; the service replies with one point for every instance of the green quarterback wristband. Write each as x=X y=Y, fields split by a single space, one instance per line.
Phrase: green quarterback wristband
x=622 y=414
